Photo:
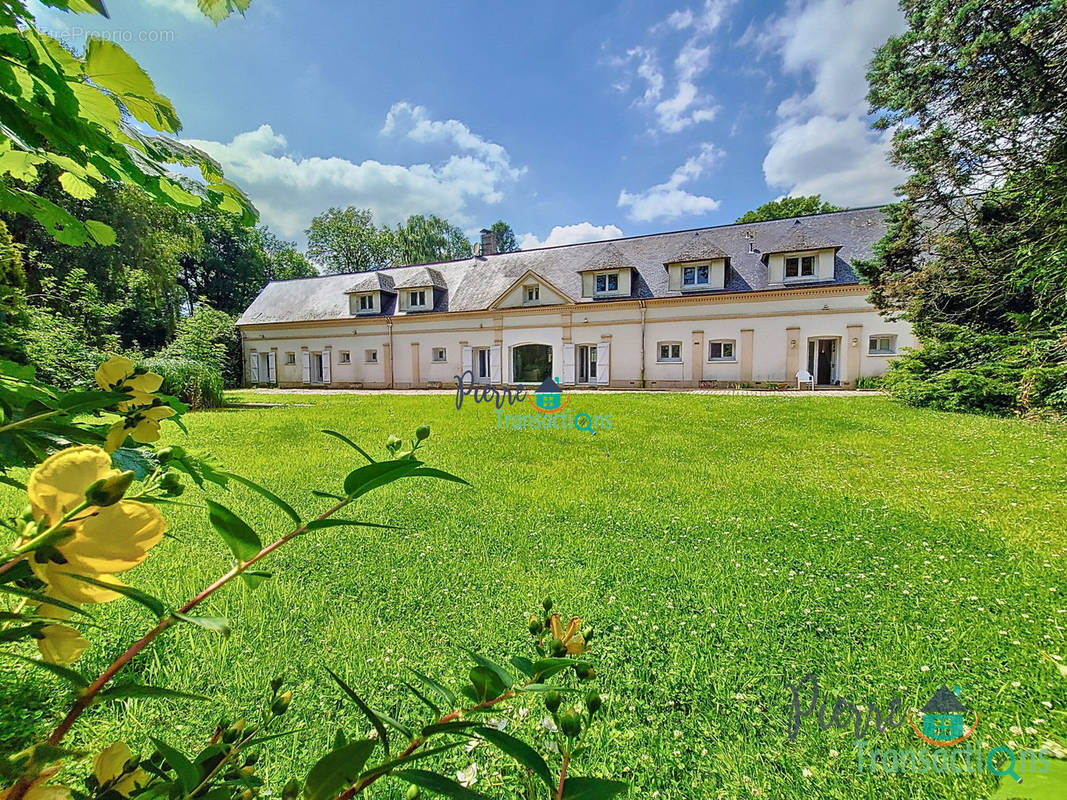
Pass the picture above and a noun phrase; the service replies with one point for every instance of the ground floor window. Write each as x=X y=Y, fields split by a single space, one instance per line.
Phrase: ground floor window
x=370 y=356
x=346 y=358
x=531 y=363
x=438 y=355
x=721 y=350
x=883 y=345
x=669 y=352
x=586 y=358
x=290 y=359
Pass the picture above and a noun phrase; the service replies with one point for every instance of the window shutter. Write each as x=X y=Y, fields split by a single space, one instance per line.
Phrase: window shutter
x=253 y=367
x=674 y=278
x=305 y=364
x=467 y=360
x=568 y=363
x=603 y=361
x=495 y=375
x=272 y=367
x=326 y=366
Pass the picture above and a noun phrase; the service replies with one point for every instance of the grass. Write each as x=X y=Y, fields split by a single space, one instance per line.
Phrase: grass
x=721 y=545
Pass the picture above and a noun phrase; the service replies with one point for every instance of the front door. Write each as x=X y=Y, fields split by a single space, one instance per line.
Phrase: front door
x=586 y=355
x=316 y=367
x=822 y=361
x=481 y=364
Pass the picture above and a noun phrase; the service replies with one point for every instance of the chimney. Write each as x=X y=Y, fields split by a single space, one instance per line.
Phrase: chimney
x=488 y=242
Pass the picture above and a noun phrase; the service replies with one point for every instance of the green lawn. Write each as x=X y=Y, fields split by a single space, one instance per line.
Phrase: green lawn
x=721 y=546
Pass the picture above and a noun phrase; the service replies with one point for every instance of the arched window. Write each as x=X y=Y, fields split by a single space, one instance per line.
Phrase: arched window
x=531 y=363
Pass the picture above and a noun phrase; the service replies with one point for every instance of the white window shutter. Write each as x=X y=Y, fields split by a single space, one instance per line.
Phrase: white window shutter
x=326 y=366
x=467 y=364
x=272 y=367
x=305 y=364
x=253 y=367
x=495 y=375
x=603 y=361
x=568 y=364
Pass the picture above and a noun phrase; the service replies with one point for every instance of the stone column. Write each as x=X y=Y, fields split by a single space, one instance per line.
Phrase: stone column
x=853 y=345
x=415 y=364
x=792 y=354
x=747 y=337
x=698 y=358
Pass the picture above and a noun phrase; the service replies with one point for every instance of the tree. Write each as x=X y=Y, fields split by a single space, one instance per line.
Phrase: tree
x=209 y=336
x=976 y=253
x=505 y=237
x=423 y=240
x=347 y=240
x=65 y=114
x=13 y=318
x=284 y=261
x=789 y=207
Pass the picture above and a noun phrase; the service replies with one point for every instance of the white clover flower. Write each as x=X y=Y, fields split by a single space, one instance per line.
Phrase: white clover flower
x=468 y=777
x=549 y=724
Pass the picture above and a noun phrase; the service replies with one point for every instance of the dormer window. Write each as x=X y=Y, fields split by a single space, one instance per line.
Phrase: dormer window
x=697 y=276
x=364 y=303
x=607 y=282
x=531 y=294
x=800 y=267
x=417 y=299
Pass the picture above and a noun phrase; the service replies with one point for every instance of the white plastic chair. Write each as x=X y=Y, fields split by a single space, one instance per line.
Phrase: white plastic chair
x=803 y=376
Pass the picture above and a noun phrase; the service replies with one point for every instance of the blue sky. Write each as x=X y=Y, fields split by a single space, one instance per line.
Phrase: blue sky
x=572 y=121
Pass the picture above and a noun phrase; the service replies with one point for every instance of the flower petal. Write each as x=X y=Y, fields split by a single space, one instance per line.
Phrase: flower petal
x=58 y=484
x=113 y=372
x=147 y=382
x=114 y=539
x=110 y=763
x=557 y=629
x=147 y=430
x=116 y=435
x=62 y=586
x=61 y=644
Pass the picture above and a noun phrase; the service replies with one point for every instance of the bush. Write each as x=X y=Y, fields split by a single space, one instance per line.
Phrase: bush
x=870 y=382
x=193 y=382
x=210 y=337
x=56 y=346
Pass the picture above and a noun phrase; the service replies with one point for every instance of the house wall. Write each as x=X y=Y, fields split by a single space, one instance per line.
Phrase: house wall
x=770 y=332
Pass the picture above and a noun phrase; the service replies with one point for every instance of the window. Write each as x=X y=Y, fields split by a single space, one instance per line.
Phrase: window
x=695 y=276
x=346 y=357
x=417 y=299
x=290 y=359
x=607 y=282
x=721 y=351
x=438 y=355
x=882 y=346
x=531 y=363
x=532 y=294
x=670 y=352
x=366 y=302
x=370 y=356
x=800 y=267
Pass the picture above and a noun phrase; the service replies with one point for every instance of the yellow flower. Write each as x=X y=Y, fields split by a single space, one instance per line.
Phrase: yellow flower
x=61 y=644
x=142 y=424
x=118 y=374
x=110 y=770
x=41 y=790
x=572 y=637
x=104 y=541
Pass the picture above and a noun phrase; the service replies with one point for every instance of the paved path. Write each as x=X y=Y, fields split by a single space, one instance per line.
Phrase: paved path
x=733 y=392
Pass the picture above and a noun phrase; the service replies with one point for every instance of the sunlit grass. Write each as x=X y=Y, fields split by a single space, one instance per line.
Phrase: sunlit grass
x=721 y=546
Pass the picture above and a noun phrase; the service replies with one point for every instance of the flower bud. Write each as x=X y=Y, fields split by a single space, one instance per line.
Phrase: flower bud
x=547 y=604
x=552 y=701
x=422 y=432
x=535 y=626
x=570 y=722
x=27 y=513
x=108 y=491
x=413 y=793
x=251 y=759
x=248 y=771
x=233 y=733
x=165 y=454
x=276 y=683
x=291 y=790
x=587 y=633
x=593 y=701
x=247 y=794
x=584 y=671
x=280 y=705
x=556 y=647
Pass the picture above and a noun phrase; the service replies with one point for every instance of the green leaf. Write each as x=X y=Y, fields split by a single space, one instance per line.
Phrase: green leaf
x=330 y=522
x=255 y=487
x=18 y=572
x=592 y=789
x=429 y=703
x=455 y=726
x=438 y=784
x=523 y=665
x=140 y=690
x=65 y=673
x=75 y=186
x=213 y=624
x=364 y=479
x=520 y=751
x=506 y=677
x=389 y=766
x=487 y=683
x=375 y=720
x=151 y=603
x=103 y=233
x=240 y=538
x=547 y=667
x=253 y=578
x=218 y=10
x=38 y=597
x=112 y=68
x=442 y=691
x=430 y=472
x=127 y=458
x=187 y=773
x=337 y=770
x=351 y=444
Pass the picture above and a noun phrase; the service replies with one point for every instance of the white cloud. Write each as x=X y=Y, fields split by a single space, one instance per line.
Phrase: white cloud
x=289 y=189
x=669 y=200
x=687 y=104
x=184 y=8
x=571 y=234
x=822 y=143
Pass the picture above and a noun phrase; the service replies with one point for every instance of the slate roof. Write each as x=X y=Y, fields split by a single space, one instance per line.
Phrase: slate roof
x=800 y=237
x=944 y=701
x=473 y=284
x=372 y=282
x=607 y=257
x=698 y=248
